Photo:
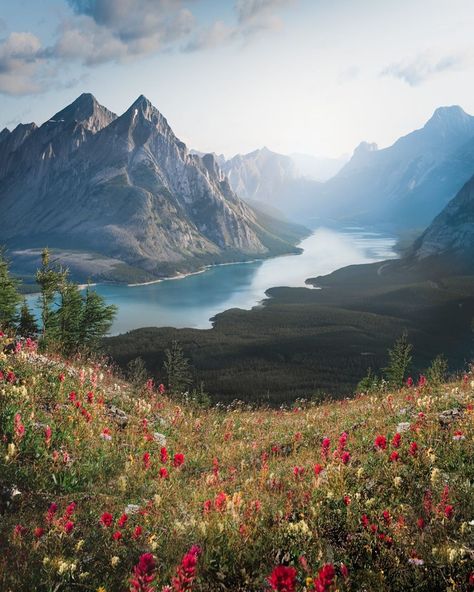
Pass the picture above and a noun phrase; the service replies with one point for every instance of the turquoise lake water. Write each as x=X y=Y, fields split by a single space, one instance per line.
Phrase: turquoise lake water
x=191 y=301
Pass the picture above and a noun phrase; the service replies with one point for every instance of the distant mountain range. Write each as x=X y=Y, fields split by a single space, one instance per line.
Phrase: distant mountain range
x=122 y=198
x=407 y=184
x=400 y=187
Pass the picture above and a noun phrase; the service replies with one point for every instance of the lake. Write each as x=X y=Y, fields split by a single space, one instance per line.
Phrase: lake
x=193 y=300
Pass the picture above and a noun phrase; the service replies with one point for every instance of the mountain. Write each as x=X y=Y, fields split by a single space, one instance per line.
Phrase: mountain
x=408 y=183
x=125 y=193
x=272 y=179
x=449 y=239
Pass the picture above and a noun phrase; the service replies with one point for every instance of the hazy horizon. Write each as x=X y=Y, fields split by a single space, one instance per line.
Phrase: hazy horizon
x=298 y=76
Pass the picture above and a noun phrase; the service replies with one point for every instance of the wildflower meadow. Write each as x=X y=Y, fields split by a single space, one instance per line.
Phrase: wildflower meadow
x=106 y=487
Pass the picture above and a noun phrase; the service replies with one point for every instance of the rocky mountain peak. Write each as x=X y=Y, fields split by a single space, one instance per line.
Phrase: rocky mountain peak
x=449 y=122
x=85 y=110
x=4 y=134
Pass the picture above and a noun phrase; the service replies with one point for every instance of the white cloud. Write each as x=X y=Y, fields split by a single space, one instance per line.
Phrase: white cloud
x=423 y=68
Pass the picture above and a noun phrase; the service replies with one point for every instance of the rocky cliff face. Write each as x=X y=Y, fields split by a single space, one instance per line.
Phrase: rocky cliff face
x=125 y=188
x=451 y=234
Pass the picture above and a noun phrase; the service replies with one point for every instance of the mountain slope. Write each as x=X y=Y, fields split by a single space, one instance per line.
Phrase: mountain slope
x=274 y=180
x=450 y=237
x=126 y=188
x=408 y=183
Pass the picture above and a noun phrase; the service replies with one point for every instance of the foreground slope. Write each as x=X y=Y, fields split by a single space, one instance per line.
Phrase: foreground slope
x=127 y=191
x=373 y=493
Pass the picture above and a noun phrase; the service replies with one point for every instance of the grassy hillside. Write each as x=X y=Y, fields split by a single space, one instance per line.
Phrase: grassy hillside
x=106 y=487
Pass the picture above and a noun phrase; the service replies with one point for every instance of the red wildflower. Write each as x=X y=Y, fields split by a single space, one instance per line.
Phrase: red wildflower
x=117 y=535
x=448 y=511
x=347 y=500
x=164 y=473
x=326 y=443
x=70 y=510
x=344 y=571
x=146 y=460
x=422 y=381
x=72 y=396
x=68 y=526
x=38 y=532
x=283 y=579
x=325 y=578
x=137 y=532
x=298 y=472
x=342 y=441
x=413 y=448
x=143 y=574
x=90 y=397
x=220 y=501
x=164 y=454
x=19 y=531
x=53 y=508
x=178 y=459
x=345 y=457
x=394 y=456
x=161 y=389
x=396 y=440
x=207 y=506
x=420 y=523
x=386 y=516
x=186 y=571
x=106 y=519
x=48 y=432
x=364 y=520
x=380 y=442
x=318 y=469
x=61 y=377
x=122 y=521
x=409 y=381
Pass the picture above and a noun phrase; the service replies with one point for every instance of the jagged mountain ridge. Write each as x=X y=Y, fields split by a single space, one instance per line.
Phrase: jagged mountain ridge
x=408 y=183
x=128 y=189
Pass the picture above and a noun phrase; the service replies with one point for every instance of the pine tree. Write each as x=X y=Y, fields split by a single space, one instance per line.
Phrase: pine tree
x=69 y=318
x=176 y=368
x=97 y=318
x=137 y=373
x=27 y=326
x=9 y=297
x=50 y=278
x=400 y=359
x=438 y=370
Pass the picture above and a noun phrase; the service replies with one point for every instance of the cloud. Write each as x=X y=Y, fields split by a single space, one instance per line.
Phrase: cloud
x=423 y=68
x=20 y=61
x=101 y=31
x=252 y=17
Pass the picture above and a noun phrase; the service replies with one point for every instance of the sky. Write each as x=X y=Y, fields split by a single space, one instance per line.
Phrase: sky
x=308 y=76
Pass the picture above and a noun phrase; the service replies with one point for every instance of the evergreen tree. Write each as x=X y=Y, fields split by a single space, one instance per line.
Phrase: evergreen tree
x=97 y=318
x=9 y=297
x=50 y=278
x=137 y=373
x=400 y=359
x=368 y=383
x=27 y=326
x=176 y=368
x=438 y=370
x=69 y=321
